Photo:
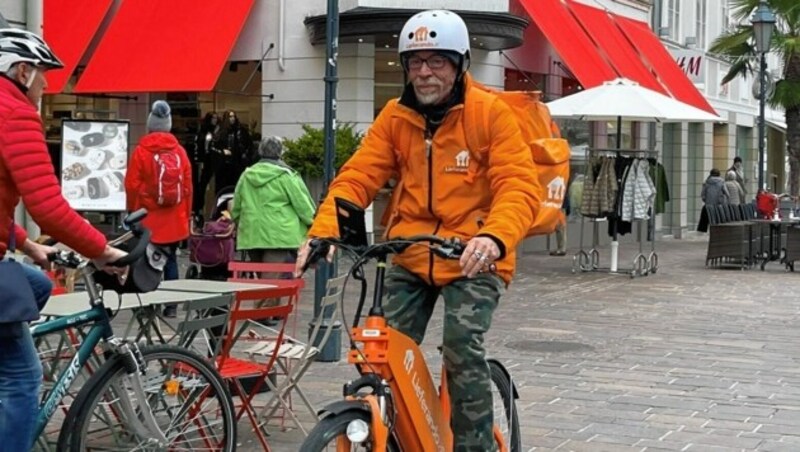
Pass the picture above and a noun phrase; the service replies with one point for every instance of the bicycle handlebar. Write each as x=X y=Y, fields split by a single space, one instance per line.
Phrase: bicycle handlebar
x=70 y=260
x=451 y=248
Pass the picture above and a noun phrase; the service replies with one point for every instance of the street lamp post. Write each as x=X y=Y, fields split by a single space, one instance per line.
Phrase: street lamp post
x=763 y=21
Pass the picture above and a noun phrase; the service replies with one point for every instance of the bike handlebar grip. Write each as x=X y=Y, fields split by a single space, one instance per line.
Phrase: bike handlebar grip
x=135 y=217
x=318 y=250
x=137 y=252
x=52 y=257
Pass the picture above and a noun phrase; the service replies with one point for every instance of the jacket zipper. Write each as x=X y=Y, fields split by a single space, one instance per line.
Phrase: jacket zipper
x=431 y=257
x=429 y=155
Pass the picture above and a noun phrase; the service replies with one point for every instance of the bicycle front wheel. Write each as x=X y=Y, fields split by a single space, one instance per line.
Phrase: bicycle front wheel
x=186 y=404
x=505 y=408
x=331 y=434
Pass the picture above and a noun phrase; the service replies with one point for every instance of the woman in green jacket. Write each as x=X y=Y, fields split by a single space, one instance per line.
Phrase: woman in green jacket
x=272 y=208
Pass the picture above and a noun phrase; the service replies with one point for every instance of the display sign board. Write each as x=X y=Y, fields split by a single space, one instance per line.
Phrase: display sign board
x=94 y=160
x=693 y=64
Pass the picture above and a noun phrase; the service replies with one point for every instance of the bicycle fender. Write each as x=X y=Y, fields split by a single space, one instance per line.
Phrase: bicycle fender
x=514 y=392
x=342 y=406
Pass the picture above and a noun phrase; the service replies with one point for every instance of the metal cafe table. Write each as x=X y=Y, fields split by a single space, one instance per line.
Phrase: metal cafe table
x=242 y=291
x=776 y=248
x=144 y=306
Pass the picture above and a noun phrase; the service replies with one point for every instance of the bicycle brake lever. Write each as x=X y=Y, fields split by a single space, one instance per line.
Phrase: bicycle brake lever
x=319 y=250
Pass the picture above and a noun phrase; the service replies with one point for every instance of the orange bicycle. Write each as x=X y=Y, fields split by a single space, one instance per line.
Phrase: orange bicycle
x=395 y=404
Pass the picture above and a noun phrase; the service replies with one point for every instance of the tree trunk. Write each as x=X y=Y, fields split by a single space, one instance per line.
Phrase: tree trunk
x=793 y=148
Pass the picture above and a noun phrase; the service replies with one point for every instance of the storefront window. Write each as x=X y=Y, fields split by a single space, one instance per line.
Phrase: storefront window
x=388 y=77
x=523 y=81
x=700 y=23
x=674 y=18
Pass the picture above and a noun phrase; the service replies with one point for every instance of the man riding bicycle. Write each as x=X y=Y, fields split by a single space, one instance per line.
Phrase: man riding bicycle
x=444 y=190
x=27 y=172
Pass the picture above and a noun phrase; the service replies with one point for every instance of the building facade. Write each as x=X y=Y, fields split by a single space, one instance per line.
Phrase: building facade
x=272 y=76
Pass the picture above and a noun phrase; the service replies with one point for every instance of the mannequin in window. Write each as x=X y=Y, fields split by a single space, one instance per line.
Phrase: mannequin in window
x=206 y=157
x=234 y=147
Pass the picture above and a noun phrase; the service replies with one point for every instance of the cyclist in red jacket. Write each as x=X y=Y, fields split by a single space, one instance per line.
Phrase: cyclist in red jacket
x=26 y=172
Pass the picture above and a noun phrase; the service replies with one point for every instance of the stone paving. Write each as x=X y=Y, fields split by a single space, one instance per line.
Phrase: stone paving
x=689 y=359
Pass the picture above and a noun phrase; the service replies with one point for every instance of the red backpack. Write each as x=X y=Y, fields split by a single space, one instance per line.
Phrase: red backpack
x=169 y=178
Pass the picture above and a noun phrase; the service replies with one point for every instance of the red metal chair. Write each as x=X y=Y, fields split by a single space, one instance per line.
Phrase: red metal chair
x=237 y=368
x=251 y=272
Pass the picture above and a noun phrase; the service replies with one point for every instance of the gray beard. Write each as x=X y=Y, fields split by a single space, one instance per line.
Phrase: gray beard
x=427 y=99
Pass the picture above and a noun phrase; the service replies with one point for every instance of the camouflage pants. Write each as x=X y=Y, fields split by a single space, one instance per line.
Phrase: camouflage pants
x=469 y=304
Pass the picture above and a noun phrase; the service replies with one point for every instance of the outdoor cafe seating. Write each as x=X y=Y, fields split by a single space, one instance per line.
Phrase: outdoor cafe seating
x=739 y=237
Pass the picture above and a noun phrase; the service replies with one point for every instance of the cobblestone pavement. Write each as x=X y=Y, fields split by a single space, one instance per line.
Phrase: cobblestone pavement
x=689 y=359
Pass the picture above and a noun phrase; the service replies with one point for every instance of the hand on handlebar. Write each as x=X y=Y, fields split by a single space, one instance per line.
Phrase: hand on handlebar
x=38 y=253
x=110 y=255
x=304 y=253
x=479 y=255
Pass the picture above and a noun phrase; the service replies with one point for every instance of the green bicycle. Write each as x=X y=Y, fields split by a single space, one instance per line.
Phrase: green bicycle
x=142 y=398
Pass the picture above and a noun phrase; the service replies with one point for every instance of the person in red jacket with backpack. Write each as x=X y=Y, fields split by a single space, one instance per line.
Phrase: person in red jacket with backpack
x=26 y=172
x=159 y=179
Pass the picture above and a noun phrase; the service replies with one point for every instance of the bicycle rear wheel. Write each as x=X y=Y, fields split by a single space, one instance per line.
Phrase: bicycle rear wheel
x=505 y=408
x=188 y=399
x=331 y=434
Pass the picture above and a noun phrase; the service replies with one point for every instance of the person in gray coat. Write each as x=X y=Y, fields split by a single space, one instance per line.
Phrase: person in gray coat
x=735 y=190
x=714 y=194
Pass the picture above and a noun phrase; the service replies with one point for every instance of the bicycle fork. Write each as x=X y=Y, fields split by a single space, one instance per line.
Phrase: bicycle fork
x=142 y=421
x=376 y=403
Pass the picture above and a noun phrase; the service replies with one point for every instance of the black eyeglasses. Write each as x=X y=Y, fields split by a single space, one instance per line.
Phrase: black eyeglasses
x=434 y=62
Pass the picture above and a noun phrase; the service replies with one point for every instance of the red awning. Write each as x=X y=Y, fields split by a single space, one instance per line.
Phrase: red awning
x=570 y=41
x=600 y=25
x=653 y=51
x=68 y=29
x=165 y=45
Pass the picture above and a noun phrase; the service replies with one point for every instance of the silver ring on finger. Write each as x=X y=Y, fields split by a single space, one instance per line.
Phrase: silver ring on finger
x=478 y=255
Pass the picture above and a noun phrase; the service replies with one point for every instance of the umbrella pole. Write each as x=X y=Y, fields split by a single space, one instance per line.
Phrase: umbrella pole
x=615 y=219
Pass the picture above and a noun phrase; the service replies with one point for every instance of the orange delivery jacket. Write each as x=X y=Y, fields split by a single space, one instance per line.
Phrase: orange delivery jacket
x=442 y=190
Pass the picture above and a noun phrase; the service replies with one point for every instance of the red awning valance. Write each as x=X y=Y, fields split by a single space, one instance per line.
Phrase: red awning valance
x=570 y=41
x=599 y=46
x=600 y=25
x=653 y=51
x=160 y=45
x=69 y=27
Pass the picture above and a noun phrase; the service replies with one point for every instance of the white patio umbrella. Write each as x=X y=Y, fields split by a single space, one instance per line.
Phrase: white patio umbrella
x=623 y=98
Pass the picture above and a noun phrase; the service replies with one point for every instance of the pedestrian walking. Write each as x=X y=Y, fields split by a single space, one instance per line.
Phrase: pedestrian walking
x=159 y=179
x=714 y=193
x=272 y=208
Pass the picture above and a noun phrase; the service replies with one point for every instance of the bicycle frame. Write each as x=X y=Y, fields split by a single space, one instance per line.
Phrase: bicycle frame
x=422 y=421
x=101 y=330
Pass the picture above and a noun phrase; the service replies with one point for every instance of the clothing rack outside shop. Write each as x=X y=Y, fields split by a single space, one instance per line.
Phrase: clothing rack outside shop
x=642 y=264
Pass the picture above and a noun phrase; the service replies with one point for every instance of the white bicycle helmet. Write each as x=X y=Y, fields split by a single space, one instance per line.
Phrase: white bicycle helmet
x=436 y=30
x=17 y=45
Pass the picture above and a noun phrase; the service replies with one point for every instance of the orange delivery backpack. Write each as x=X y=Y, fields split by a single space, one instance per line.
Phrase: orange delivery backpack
x=550 y=153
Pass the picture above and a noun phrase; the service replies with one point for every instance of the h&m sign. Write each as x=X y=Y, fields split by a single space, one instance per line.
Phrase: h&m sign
x=693 y=64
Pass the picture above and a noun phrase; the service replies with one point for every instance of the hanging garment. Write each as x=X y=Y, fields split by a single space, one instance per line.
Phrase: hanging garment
x=607 y=187
x=590 y=204
x=659 y=176
x=639 y=192
x=575 y=194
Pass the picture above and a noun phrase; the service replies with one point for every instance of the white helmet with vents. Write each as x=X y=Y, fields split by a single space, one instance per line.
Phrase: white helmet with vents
x=17 y=45
x=440 y=30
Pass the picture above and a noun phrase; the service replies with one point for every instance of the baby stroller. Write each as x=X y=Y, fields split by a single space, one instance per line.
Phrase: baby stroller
x=213 y=245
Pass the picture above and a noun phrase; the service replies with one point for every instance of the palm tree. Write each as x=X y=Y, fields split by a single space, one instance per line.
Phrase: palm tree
x=738 y=46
